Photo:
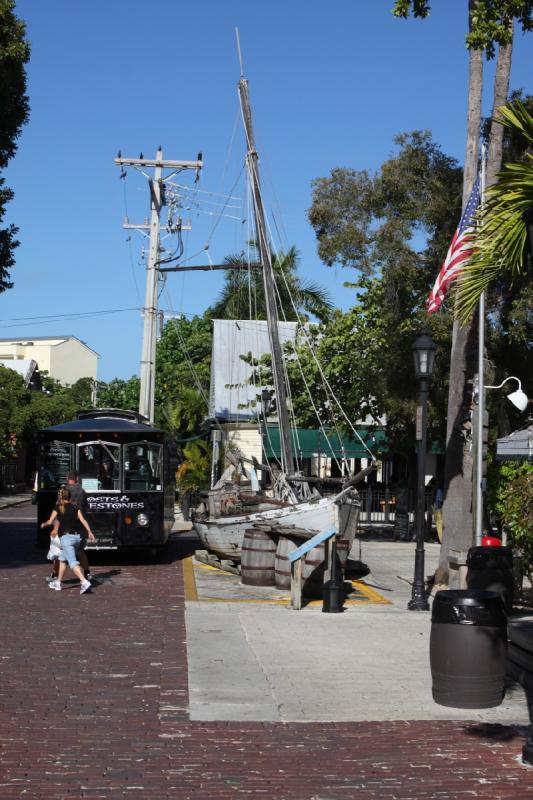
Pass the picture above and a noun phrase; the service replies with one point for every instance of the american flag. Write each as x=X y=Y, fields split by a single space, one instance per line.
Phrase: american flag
x=459 y=251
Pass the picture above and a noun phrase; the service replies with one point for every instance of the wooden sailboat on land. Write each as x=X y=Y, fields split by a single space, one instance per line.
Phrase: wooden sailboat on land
x=294 y=507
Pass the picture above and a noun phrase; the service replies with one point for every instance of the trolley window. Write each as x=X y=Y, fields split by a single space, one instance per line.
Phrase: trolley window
x=99 y=466
x=142 y=466
x=55 y=463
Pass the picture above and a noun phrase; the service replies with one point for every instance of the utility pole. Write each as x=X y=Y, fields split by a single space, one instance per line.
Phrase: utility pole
x=157 y=201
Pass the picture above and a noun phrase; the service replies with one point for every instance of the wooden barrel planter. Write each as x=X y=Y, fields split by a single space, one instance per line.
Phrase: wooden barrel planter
x=258 y=555
x=282 y=568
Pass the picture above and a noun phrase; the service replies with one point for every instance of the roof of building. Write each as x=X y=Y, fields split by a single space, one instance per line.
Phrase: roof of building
x=518 y=446
x=307 y=443
x=28 y=340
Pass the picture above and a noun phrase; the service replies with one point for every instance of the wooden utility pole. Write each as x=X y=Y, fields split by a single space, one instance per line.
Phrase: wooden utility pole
x=157 y=201
x=268 y=280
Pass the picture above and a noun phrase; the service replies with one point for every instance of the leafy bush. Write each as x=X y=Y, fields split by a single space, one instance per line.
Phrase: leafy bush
x=514 y=506
x=193 y=473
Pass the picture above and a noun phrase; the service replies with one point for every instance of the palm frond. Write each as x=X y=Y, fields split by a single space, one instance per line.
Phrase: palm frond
x=500 y=242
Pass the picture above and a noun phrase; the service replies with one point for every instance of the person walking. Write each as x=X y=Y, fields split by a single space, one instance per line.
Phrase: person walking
x=79 y=498
x=68 y=515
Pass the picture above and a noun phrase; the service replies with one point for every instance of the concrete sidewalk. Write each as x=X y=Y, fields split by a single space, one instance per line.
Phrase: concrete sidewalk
x=250 y=661
x=8 y=500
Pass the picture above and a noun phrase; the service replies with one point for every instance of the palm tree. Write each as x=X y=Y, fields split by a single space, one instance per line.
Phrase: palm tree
x=183 y=416
x=500 y=244
x=243 y=294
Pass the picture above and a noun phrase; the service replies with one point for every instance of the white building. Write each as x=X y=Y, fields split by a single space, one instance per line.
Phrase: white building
x=65 y=358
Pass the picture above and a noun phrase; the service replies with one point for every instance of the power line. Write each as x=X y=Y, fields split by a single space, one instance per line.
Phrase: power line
x=39 y=320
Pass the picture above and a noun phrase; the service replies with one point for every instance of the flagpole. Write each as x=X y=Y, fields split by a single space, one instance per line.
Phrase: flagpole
x=480 y=387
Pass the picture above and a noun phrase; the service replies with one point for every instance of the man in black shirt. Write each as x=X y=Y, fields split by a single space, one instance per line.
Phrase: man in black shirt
x=79 y=498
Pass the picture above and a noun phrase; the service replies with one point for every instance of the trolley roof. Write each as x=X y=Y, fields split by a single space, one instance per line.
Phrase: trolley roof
x=105 y=419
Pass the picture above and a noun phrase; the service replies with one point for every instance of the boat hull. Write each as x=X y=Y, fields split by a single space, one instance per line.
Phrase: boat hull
x=224 y=535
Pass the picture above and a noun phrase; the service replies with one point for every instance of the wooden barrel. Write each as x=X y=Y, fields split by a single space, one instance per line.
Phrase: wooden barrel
x=258 y=554
x=282 y=567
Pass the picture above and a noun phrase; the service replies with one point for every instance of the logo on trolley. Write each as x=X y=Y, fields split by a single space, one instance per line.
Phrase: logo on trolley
x=113 y=503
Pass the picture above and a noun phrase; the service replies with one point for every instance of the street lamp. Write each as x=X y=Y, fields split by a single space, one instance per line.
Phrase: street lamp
x=424 y=360
x=520 y=400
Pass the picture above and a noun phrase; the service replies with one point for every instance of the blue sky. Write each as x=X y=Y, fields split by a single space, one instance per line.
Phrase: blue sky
x=330 y=84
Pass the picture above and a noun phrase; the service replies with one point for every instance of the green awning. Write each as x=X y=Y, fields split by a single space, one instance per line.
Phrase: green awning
x=307 y=443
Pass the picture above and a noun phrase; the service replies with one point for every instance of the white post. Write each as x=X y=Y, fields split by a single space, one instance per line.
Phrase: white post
x=147 y=391
x=480 y=392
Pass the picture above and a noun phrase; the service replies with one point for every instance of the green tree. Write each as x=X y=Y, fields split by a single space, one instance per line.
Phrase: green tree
x=490 y=23
x=393 y=228
x=501 y=242
x=14 y=54
x=13 y=397
x=183 y=359
x=119 y=393
x=243 y=295
x=183 y=417
x=512 y=500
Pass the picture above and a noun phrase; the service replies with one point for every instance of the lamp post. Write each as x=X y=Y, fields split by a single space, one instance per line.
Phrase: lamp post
x=521 y=401
x=424 y=360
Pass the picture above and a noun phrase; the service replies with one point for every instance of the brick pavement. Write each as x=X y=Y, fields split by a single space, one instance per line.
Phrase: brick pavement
x=93 y=704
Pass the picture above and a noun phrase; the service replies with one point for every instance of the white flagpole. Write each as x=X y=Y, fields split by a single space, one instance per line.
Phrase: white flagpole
x=480 y=387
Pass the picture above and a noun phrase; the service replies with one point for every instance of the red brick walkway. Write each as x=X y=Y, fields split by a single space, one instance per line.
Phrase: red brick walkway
x=93 y=704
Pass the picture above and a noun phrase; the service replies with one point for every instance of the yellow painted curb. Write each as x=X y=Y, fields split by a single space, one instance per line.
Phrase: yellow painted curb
x=369 y=595
x=189 y=581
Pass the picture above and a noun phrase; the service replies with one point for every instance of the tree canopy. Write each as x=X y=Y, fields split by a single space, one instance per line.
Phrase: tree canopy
x=243 y=294
x=14 y=54
x=490 y=20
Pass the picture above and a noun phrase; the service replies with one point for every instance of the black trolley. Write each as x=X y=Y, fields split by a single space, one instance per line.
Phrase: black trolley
x=126 y=467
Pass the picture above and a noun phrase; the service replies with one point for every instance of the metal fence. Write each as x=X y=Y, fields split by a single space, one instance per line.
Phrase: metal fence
x=8 y=474
x=379 y=505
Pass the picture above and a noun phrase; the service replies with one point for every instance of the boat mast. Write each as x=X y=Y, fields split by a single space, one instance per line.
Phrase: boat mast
x=268 y=280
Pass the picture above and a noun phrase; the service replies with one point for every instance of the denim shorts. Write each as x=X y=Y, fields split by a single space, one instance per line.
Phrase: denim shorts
x=69 y=544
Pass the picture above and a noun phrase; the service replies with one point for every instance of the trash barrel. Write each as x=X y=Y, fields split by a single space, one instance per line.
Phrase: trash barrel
x=468 y=648
x=491 y=569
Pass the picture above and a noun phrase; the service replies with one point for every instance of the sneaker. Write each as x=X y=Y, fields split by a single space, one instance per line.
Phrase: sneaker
x=55 y=585
x=84 y=586
x=50 y=578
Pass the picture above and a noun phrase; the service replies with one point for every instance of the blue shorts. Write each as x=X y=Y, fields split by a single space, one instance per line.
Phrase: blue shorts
x=69 y=544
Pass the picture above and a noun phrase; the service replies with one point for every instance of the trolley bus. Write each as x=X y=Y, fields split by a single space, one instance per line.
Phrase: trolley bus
x=126 y=467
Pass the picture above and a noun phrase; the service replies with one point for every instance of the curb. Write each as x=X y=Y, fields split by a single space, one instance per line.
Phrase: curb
x=14 y=503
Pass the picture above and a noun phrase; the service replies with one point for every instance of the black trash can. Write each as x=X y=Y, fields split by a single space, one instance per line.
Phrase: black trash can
x=491 y=569
x=468 y=648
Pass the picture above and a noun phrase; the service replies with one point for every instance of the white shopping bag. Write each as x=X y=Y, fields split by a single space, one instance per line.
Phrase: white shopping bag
x=55 y=548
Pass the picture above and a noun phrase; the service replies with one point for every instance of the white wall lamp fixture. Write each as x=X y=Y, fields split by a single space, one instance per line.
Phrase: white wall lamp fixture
x=518 y=398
